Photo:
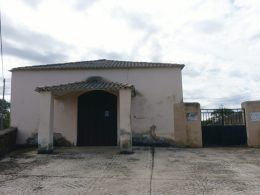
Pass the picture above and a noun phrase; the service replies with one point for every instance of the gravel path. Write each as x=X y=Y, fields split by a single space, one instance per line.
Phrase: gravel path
x=162 y=171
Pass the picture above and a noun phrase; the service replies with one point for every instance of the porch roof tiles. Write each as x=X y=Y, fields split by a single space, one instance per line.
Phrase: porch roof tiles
x=92 y=83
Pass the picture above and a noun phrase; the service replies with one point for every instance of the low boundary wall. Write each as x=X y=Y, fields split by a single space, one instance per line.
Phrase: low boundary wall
x=7 y=140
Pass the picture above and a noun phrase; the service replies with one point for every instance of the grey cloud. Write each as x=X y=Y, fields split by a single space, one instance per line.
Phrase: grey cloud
x=232 y=1
x=209 y=26
x=141 y=22
x=28 y=37
x=84 y=5
x=255 y=77
x=156 y=53
x=30 y=45
x=236 y=99
x=151 y=42
x=232 y=100
x=137 y=21
x=191 y=71
x=101 y=53
x=207 y=101
x=156 y=57
x=32 y=3
x=156 y=49
x=194 y=95
x=79 y=5
x=214 y=70
x=195 y=70
x=33 y=55
x=255 y=37
x=236 y=73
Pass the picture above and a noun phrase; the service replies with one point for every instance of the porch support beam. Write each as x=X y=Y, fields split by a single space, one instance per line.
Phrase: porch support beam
x=125 y=132
x=45 y=131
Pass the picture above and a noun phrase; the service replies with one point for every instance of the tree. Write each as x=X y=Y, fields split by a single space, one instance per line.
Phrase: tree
x=5 y=113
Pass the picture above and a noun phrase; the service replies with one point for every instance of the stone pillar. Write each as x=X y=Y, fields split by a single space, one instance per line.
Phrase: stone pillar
x=252 y=115
x=45 y=132
x=125 y=132
x=193 y=124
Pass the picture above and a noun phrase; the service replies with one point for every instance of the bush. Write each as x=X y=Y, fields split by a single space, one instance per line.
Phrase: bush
x=5 y=113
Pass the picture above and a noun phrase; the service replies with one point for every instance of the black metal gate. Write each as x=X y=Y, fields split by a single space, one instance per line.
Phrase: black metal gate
x=223 y=127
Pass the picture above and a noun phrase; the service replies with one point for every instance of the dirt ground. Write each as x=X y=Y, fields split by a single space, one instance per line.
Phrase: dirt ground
x=159 y=171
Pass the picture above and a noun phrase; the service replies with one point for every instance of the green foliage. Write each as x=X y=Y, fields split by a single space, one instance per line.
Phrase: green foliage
x=222 y=111
x=222 y=116
x=5 y=112
x=6 y=120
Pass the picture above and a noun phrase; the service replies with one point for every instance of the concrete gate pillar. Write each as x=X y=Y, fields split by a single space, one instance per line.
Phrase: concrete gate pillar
x=193 y=124
x=125 y=132
x=45 y=131
x=252 y=116
x=187 y=124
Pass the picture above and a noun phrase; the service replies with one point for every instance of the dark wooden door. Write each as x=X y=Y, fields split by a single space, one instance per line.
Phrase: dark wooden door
x=97 y=119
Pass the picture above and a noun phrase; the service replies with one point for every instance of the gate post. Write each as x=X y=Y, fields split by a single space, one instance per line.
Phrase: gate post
x=193 y=124
x=252 y=117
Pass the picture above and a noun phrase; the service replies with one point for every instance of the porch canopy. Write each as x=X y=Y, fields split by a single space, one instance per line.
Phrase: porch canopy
x=47 y=93
x=92 y=83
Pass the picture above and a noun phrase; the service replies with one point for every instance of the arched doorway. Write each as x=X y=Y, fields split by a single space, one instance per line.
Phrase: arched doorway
x=97 y=119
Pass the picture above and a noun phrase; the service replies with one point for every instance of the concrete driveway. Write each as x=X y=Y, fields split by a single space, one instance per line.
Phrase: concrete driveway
x=159 y=172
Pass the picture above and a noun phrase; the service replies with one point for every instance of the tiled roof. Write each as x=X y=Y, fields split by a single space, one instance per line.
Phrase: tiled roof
x=100 y=64
x=92 y=83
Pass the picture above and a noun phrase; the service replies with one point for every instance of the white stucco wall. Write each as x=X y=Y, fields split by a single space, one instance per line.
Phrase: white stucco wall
x=157 y=90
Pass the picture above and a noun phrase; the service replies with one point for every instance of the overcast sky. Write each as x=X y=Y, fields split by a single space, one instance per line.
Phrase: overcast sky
x=217 y=40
